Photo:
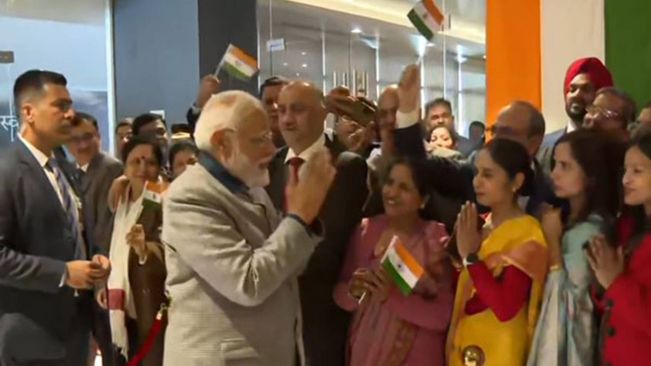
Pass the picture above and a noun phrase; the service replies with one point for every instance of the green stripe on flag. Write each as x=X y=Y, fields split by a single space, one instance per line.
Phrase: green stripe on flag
x=403 y=286
x=235 y=72
x=420 y=25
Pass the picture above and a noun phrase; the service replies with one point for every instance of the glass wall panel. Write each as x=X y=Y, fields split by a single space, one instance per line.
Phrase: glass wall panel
x=70 y=38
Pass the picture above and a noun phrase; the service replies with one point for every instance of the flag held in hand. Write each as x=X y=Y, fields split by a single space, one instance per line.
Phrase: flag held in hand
x=153 y=195
x=401 y=266
x=238 y=63
x=427 y=18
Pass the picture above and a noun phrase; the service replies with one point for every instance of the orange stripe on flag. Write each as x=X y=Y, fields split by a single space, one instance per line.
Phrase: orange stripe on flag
x=241 y=55
x=156 y=187
x=513 y=61
x=408 y=259
x=434 y=10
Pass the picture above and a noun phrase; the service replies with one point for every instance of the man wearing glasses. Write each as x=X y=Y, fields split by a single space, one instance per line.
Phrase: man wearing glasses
x=519 y=121
x=612 y=110
x=95 y=173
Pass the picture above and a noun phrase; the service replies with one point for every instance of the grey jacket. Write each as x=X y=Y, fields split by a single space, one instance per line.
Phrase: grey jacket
x=94 y=186
x=232 y=265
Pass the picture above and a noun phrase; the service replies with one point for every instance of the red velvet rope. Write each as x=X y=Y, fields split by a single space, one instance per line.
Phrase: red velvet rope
x=151 y=338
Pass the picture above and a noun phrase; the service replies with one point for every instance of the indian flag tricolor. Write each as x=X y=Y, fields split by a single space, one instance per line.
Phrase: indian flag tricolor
x=239 y=64
x=530 y=45
x=153 y=194
x=427 y=18
x=401 y=266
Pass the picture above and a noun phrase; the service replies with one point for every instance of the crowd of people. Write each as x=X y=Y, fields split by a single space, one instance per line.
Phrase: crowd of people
x=257 y=233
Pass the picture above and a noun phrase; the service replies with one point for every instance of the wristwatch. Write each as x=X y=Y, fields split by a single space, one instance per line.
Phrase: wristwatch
x=471 y=259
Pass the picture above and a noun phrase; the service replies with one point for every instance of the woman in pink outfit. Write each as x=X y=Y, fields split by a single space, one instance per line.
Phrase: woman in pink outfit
x=389 y=328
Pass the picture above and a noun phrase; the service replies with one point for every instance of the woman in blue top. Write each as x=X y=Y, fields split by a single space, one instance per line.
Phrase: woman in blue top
x=585 y=174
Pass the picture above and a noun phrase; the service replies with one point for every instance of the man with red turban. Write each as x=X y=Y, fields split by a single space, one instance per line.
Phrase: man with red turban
x=583 y=79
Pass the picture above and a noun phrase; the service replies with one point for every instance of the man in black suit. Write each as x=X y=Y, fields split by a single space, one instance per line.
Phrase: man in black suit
x=519 y=121
x=301 y=119
x=44 y=266
x=95 y=171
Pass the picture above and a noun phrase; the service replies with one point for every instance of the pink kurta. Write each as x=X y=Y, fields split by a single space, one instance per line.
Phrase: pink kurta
x=402 y=330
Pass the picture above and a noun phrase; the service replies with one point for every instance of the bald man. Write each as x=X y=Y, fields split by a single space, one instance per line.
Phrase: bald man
x=519 y=121
x=301 y=113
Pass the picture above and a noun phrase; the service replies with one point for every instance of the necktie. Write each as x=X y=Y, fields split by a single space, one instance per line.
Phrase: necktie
x=295 y=164
x=69 y=205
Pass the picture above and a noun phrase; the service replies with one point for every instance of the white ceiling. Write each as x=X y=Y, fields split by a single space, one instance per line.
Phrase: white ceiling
x=382 y=19
x=467 y=17
x=91 y=12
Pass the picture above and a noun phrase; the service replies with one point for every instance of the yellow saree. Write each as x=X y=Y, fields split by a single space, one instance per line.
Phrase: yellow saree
x=481 y=339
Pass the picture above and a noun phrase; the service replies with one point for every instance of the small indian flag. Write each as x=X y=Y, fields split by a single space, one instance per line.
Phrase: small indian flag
x=401 y=266
x=153 y=195
x=427 y=18
x=237 y=63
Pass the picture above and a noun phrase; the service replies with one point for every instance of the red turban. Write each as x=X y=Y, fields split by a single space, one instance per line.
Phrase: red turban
x=599 y=74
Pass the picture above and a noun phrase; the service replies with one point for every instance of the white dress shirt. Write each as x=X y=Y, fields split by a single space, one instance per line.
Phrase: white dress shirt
x=307 y=153
x=42 y=161
x=571 y=126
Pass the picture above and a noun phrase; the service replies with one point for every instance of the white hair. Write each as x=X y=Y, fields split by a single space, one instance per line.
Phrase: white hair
x=225 y=110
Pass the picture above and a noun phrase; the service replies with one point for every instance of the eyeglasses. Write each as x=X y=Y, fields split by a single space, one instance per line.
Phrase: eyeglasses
x=87 y=137
x=158 y=132
x=264 y=139
x=594 y=110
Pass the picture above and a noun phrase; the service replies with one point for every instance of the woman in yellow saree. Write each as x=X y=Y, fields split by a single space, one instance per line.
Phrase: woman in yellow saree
x=505 y=263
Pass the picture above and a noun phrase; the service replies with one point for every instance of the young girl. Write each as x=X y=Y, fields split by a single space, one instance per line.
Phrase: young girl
x=625 y=272
x=505 y=264
x=585 y=174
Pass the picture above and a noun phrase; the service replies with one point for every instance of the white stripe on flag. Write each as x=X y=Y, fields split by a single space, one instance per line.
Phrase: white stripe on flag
x=238 y=64
x=401 y=268
x=427 y=18
x=570 y=29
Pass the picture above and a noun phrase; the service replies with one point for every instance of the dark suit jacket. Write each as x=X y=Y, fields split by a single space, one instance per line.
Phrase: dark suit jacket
x=546 y=153
x=325 y=325
x=455 y=178
x=36 y=314
x=95 y=185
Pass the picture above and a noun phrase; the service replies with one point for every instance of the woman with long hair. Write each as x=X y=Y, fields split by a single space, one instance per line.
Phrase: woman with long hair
x=624 y=271
x=585 y=172
x=505 y=264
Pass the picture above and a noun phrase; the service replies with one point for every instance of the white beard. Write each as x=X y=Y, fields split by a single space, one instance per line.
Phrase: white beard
x=246 y=170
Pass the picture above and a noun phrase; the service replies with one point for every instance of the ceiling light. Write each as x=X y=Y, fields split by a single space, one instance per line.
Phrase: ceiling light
x=356 y=30
x=285 y=64
x=298 y=74
x=304 y=65
x=430 y=44
x=303 y=53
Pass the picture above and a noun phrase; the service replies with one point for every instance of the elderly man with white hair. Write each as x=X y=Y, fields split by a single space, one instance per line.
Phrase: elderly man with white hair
x=232 y=260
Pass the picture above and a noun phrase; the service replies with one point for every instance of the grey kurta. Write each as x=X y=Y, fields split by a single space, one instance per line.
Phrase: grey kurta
x=232 y=266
